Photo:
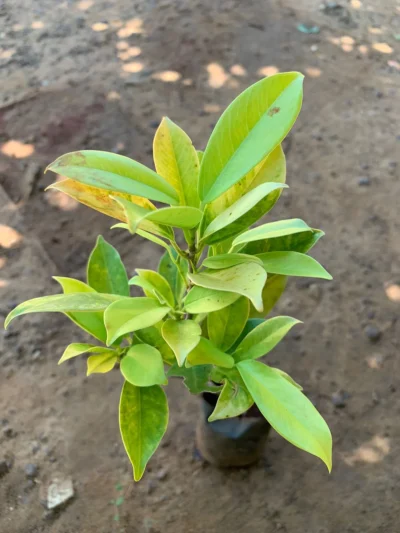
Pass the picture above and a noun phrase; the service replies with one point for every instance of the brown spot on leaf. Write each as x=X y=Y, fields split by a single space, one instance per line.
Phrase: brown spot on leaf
x=273 y=111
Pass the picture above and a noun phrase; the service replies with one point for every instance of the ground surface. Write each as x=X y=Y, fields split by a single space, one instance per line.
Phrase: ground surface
x=101 y=74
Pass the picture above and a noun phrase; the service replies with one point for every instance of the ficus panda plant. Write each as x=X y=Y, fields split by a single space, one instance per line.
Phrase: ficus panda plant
x=202 y=314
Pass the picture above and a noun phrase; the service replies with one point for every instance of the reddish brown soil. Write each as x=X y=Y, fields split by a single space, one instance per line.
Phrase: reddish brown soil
x=64 y=87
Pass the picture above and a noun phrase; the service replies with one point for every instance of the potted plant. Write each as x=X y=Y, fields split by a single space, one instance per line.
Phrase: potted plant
x=203 y=312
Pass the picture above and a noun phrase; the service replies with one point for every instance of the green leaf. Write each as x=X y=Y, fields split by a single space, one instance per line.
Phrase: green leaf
x=233 y=400
x=272 y=230
x=98 y=199
x=288 y=411
x=272 y=291
x=249 y=129
x=243 y=213
x=132 y=314
x=182 y=336
x=152 y=335
x=114 y=172
x=176 y=160
x=293 y=264
x=247 y=279
x=168 y=269
x=158 y=284
x=179 y=217
x=264 y=337
x=205 y=353
x=105 y=270
x=201 y=300
x=297 y=242
x=78 y=348
x=287 y=377
x=101 y=364
x=251 y=324
x=225 y=325
x=92 y=323
x=218 y=262
x=143 y=420
x=195 y=378
x=143 y=366
x=137 y=221
x=271 y=169
x=63 y=303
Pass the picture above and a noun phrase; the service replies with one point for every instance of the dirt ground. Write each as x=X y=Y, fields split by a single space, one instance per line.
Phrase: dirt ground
x=101 y=74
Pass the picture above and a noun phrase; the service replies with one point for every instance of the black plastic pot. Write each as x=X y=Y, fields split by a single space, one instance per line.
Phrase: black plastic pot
x=232 y=442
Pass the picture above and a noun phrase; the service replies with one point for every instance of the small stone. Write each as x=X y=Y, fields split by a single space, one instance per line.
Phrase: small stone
x=162 y=474
x=364 y=181
x=375 y=361
x=57 y=492
x=339 y=398
x=9 y=433
x=315 y=291
x=372 y=332
x=31 y=470
x=4 y=468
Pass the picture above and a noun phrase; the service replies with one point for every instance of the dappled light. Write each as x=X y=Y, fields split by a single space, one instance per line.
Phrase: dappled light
x=371 y=452
x=61 y=200
x=131 y=27
x=363 y=49
x=217 y=77
x=167 y=76
x=375 y=31
x=17 y=149
x=113 y=96
x=382 y=48
x=3 y=283
x=356 y=4
x=187 y=82
x=393 y=291
x=37 y=25
x=313 y=72
x=132 y=51
x=394 y=64
x=122 y=45
x=269 y=70
x=134 y=66
x=9 y=237
x=212 y=108
x=84 y=5
x=6 y=54
x=238 y=70
x=99 y=26
x=3 y=261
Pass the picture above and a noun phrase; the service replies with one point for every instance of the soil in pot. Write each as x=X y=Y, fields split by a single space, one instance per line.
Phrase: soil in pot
x=232 y=442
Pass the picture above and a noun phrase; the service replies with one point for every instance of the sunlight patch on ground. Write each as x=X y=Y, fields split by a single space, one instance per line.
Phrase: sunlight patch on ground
x=383 y=48
x=113 y=96
x=17 y=149
x=394 y=64
x=167 y=76
x=187 y=82
x=3 y=261
x=238 y=70
x=269 y=70
x=131 y=27
x=212 y=108
x=9 y=237
x=356 y=4
x=313 y=72
x=134 y=66
x=133 y=51
x=85 y=5
x=37 y=25
x=217 y=77
x=99 y=26
x=363 y=49
x=3 y=283
x=6 y=54
x=371 y=452
x=393 y=291
x=375 y=31
x=122 y=45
